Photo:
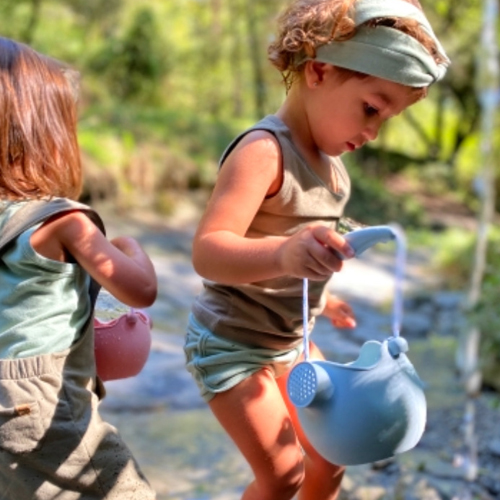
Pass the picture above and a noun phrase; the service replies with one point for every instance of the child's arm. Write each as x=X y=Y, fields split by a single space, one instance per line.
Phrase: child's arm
x=120 y=265
x=221 y=252
x=339 y=312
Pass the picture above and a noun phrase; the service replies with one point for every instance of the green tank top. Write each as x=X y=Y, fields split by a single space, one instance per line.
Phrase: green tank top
x=44 y=304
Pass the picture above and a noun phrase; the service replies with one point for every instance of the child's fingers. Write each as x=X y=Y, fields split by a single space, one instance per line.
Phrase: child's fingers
x=344 y=322
x=346 y=309
x=348 y=323
x=333 y=240
x=321 y=260
x=341 y=314
x=310 y=254
x=323 y=257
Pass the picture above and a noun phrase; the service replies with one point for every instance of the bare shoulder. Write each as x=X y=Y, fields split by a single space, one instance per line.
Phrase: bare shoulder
x=63 y=231
x=257 y=157
x=70 y=229
x=70 y=223
x=259 y=142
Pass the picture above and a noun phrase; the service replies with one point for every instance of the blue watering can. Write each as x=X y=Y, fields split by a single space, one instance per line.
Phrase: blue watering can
x=374 y=407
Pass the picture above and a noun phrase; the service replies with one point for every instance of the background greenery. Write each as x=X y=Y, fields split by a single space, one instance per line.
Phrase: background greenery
x=167 y=83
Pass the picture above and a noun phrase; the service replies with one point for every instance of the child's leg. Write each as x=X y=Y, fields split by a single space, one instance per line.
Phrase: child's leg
x=322 y=479
x=255 y=416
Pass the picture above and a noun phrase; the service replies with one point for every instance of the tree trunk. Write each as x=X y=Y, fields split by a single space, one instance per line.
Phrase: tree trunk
x=467 y=354
x=256 y=59
x=29 y=32
x=236 y=60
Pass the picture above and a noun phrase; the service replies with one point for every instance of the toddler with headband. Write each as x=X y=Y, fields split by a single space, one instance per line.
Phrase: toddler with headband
x=271 y=221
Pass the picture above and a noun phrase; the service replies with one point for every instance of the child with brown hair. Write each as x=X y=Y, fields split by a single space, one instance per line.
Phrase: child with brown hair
x=54 y=257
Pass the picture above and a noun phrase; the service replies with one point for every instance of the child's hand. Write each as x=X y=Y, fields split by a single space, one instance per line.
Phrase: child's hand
x=313 y=253
x=339 y=312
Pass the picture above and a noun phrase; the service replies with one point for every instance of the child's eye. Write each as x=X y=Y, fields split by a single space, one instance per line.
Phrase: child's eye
x=370 y=110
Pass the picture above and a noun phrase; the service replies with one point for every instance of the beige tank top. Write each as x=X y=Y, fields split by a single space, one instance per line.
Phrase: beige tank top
x=269 y=313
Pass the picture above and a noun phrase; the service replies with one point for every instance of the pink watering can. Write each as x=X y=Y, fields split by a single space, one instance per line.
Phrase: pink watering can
x=122 y=345
x=372 y=408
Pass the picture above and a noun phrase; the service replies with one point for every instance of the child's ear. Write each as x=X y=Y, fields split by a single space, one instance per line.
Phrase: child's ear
x=314 y=73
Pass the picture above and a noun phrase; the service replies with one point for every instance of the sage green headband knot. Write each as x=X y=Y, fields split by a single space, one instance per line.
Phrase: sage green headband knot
x=387 y=52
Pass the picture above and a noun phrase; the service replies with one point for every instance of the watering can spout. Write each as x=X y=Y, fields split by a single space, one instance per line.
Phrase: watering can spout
x=362 y=239
x=309 y=385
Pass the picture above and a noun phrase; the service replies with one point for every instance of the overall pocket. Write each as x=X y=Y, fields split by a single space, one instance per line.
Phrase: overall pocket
x=21 y=427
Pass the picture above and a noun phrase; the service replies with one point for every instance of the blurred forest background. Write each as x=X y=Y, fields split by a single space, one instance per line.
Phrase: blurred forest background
x=167 y=83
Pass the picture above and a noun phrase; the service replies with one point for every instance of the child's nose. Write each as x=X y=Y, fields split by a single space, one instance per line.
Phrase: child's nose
x=371 y=132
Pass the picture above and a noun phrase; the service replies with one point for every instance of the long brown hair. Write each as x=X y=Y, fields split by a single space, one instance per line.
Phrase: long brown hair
x=39 y=154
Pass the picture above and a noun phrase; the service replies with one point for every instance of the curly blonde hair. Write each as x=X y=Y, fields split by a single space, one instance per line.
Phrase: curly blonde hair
x=307 y=24
x=39 y=154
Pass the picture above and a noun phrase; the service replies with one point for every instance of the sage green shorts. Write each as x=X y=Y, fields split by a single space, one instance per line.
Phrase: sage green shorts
x=218 y=364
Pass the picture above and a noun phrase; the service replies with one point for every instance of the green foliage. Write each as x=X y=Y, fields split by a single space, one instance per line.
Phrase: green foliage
x=187 y=74
x=92 y=12
x=150 y=151
x=103 y=146
x=454 y=257
x=487 y=313
x=371 y=204
x=468 y=167
x=202 y=138
x=454 y=260
x=134 y=64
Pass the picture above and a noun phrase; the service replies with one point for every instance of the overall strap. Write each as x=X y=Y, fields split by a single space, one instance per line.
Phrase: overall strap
x=37 y=211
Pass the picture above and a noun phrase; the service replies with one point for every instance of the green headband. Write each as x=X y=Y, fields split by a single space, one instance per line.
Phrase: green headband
x=387 y=52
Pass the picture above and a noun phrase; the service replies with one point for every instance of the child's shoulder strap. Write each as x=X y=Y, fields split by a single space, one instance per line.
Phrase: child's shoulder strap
x=37 y=211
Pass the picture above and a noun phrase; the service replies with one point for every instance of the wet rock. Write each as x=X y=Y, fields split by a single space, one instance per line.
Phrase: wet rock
x=494 y=447
x=442 y=469
x=491 y=484
x=418 y=488
x=368 y=493
x=450 y=301
x=416 y=324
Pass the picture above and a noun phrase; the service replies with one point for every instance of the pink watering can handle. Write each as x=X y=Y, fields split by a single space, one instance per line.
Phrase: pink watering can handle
x=360 y=240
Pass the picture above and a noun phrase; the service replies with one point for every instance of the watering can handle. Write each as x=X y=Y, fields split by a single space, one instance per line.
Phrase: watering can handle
x=360 y=240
